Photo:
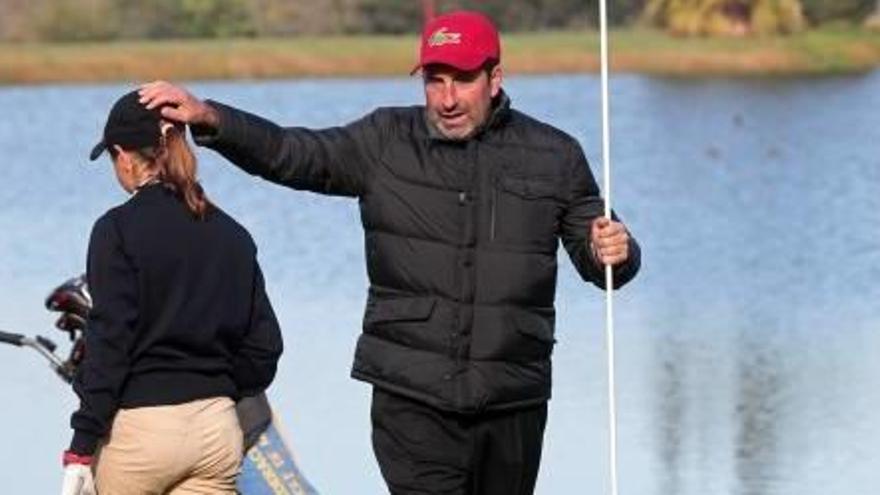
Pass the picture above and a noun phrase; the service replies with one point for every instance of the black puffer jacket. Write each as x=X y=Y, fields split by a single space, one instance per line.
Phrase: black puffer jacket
x=461 y=242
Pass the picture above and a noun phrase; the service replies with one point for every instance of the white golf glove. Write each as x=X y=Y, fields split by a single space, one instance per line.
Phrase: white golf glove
x=78 y=480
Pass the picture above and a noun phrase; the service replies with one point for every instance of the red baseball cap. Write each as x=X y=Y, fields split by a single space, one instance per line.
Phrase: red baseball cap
x=462 y=39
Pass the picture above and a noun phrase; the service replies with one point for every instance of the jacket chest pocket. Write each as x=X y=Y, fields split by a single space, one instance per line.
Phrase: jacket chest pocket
x=524 y=210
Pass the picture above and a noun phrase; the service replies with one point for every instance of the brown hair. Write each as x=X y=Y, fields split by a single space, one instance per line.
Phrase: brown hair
x=176 y=166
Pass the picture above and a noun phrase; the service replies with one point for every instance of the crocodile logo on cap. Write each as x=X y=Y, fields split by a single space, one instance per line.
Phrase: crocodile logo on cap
x=441 y=37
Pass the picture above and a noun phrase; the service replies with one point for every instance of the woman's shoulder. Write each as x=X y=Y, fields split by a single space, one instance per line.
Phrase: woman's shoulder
x=116 y=216
x=106 y=229
x=110 y=218
x=230 y=224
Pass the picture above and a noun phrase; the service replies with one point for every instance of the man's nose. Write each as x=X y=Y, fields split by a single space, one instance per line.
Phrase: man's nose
x=450 y=98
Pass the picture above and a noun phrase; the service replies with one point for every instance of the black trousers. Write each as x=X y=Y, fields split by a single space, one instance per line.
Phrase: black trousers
x=425 y=451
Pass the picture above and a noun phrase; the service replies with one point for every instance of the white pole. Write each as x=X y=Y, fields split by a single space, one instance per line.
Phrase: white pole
x=609 y=287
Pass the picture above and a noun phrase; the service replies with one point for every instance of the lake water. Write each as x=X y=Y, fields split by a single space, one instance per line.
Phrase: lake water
x=748 y=347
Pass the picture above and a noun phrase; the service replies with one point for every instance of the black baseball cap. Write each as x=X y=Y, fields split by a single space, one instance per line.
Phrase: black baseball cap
x=129 y=125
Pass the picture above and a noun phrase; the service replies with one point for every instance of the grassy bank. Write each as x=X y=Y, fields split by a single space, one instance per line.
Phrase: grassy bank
x=813 y=52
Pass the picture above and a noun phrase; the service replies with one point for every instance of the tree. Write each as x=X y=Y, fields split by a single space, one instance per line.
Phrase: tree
x=391 y=16
x=73 y=20
x=726 y=17
x=215 y=19
x=279 y=17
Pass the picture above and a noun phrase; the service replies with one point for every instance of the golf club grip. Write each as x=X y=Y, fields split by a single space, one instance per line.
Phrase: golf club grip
x=11 y=338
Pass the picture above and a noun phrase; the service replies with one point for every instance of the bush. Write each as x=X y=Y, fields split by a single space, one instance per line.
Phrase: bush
x=822 y=11
x=781 y=16
x=215 y=19
x=725 y=17
x=76 y=20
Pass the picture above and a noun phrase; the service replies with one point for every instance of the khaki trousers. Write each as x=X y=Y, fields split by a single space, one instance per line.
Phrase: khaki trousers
x=183 y=449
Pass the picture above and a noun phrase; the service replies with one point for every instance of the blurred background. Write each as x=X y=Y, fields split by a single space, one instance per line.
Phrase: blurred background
x=746 y=160
x=64 y=20
x=109 y=40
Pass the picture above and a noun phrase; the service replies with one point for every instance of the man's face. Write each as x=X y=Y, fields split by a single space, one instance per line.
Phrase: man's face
x=458 y=102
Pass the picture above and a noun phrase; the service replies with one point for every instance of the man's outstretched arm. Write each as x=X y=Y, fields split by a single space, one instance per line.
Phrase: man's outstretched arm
x=329 y=161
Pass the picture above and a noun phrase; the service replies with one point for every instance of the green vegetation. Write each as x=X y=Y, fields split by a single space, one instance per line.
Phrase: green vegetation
x=847 y=11
x=102 y=40
x=80 y=20
x=632 y=50
x=726 y=17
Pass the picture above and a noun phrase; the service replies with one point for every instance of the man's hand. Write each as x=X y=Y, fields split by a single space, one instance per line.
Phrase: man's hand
x=78 y=480
x=178 y=104
x=609 y=242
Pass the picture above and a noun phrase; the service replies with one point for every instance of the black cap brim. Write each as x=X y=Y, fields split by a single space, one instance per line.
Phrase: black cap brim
x=97 y=150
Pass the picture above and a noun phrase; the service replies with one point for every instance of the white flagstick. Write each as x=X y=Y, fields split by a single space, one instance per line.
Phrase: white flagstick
x=609 y=288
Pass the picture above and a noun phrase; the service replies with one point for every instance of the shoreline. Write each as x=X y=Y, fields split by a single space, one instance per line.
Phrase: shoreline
x=814 y=52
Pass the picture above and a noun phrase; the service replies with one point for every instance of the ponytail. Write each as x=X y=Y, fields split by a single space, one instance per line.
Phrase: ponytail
x=178 y=169
x=174 y=163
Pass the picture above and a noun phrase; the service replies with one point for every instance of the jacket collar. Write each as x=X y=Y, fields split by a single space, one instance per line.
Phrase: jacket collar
x=497 y=117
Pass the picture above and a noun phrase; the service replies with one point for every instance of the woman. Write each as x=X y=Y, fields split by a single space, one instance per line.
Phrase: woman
x=180 y=328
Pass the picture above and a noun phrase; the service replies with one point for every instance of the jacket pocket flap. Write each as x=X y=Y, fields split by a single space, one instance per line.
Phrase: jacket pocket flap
x=400 y=309
x=528 y=187
x=534 y=325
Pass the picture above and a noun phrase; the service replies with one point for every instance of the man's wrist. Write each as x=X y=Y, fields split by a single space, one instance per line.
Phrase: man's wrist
x=69 y=457
x=211 y=117
x=207 y=129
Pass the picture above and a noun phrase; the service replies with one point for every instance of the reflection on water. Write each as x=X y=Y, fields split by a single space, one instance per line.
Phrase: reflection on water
x=758 y=412
x=754 y=421
x=748 y=349
x=671 y=421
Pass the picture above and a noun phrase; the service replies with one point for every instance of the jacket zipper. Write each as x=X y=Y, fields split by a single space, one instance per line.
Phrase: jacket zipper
x=494 y=209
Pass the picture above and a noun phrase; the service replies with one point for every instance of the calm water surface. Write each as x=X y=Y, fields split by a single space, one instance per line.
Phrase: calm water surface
x=748 y=348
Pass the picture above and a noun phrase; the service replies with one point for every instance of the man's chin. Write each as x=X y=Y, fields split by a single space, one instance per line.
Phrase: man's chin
x=458 y=133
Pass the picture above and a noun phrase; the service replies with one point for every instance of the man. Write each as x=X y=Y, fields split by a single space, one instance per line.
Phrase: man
x=463 y=202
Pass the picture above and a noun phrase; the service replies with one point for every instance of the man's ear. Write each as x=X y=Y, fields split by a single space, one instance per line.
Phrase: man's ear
x=495 y=78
